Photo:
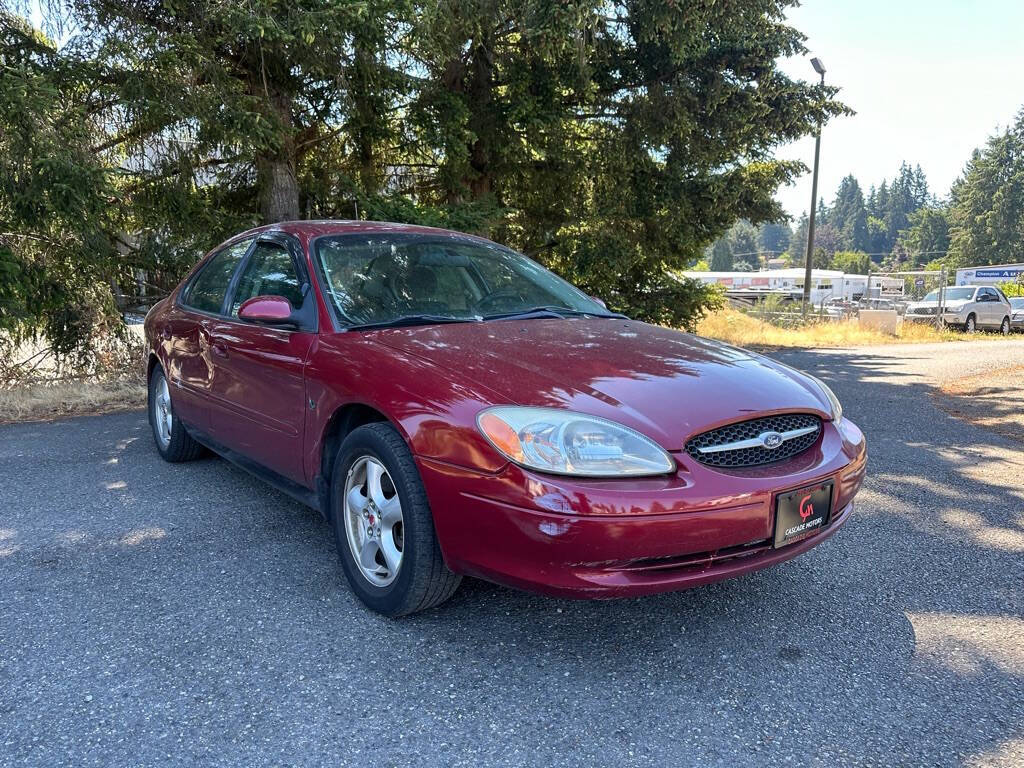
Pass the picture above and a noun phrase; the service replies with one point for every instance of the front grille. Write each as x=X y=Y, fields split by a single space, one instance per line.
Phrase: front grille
x=925 y=311
x=747 y=430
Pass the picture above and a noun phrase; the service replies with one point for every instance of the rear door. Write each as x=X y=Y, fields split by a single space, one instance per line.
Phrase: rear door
x=258 y=400
x=186 y=334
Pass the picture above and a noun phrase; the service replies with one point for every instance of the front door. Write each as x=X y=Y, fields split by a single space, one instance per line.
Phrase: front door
x=990 y=308
x=258 y=401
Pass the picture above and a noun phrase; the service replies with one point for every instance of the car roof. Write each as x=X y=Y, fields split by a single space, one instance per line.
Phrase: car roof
x=310 y=228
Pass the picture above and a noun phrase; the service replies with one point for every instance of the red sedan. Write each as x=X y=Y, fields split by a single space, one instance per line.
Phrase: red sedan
x=453 y=408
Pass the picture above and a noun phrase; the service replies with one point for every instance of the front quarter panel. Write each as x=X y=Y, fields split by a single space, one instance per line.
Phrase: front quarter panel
x=432 y=408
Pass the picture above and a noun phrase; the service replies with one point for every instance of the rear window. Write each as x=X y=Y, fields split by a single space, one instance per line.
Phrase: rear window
x=207 y=290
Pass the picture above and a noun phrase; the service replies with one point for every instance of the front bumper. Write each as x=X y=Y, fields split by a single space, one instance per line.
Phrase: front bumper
x=577 y=538
x=949 y=318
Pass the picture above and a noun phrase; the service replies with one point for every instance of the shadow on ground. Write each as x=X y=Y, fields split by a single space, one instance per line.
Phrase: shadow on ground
x=187 y=613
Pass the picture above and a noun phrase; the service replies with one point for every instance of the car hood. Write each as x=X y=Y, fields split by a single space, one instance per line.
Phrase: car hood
x=664 y=383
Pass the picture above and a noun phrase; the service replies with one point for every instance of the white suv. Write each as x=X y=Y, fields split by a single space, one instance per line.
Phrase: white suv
x=968 y=306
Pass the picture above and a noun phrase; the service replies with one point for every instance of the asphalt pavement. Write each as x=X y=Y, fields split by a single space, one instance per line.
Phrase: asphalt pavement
x=153 y=614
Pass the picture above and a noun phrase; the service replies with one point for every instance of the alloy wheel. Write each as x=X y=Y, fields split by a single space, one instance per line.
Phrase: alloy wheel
x=374 y=525
x=163 y=416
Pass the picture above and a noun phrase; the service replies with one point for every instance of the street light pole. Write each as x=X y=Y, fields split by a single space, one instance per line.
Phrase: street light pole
x=820 y=69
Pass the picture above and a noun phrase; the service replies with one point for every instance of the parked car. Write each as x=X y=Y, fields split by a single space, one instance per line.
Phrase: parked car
x=839 y=308
x=967 y=306
x=1017 y=314
x=453 y=408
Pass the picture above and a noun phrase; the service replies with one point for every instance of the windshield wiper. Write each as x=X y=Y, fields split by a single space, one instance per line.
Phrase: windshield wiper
x=551 y=311
x=403 y=320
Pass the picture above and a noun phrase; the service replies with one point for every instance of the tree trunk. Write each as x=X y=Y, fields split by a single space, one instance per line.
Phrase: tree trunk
x=278 y=185
x=481 y=120
x=279 y=189
x=367 y=121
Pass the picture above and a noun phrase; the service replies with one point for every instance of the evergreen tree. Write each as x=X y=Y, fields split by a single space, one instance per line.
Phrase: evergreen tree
x=878 y=239
x=798 y=242
x=743 y=242
x=627 y=138
x=908 y=193
x=987 y=205
x=881 y=202
x=927 y=237
x=721 y=256
x=774 y=238
x=849 y=215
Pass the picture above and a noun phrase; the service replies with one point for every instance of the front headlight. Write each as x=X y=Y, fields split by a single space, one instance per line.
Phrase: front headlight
x=837 y=407
x=567 y=443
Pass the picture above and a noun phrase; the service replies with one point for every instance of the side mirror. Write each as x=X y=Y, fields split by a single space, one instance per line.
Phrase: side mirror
x=267 y=310
x=600 y=301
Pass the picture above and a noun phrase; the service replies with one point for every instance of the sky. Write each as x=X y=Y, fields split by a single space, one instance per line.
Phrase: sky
x=930 y=80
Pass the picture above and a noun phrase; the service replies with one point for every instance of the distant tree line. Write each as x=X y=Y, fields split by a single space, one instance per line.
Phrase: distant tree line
x=615 y=140
x=900 y=224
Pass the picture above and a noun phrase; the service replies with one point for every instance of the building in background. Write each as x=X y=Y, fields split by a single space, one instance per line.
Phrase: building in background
x=788 y=283
x=991 y=275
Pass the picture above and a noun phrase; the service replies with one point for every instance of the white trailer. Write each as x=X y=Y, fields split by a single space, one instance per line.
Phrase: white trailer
x=825 y=283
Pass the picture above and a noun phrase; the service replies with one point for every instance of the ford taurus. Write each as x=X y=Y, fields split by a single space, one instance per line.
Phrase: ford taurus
x=452 y=408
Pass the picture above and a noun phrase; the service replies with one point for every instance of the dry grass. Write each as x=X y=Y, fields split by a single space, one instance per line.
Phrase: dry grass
x=737 y=328
x=70 y=398
x=994 y=399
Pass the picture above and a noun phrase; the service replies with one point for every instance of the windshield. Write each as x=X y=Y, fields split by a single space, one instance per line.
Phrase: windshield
x=381 y=277
x=952 y=294
x=1017 y=303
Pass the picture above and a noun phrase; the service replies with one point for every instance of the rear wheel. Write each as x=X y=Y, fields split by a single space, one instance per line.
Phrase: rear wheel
x=172 y=439
x=383 y=525
x=1005 y=327
x=971 y=325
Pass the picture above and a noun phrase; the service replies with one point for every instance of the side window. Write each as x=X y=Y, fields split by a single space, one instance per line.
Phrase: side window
x=270 y=272
x=986 y=294
x=207 y=290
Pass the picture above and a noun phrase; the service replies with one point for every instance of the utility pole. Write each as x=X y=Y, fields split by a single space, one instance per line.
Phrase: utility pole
x=820 y=69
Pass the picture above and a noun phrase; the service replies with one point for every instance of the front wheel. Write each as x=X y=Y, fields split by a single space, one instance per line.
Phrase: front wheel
x=383 y=525
x=971 y=325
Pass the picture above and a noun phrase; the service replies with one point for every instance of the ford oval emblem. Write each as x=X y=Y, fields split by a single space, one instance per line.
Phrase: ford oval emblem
x=771 y=440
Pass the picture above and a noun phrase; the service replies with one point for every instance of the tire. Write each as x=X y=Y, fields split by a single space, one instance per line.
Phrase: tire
x=972 y=324
x=359 y=504
x=173 y=441
x=1005 y=327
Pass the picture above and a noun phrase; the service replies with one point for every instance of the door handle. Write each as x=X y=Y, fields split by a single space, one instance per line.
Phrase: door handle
x=219 y=348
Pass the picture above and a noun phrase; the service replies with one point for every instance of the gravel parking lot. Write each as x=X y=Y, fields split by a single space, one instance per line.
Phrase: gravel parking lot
x=155 y=614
